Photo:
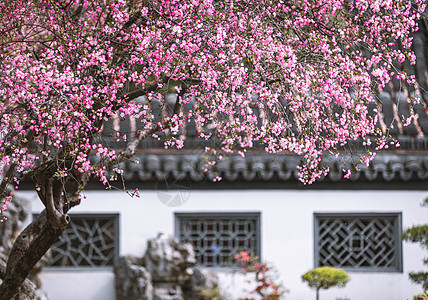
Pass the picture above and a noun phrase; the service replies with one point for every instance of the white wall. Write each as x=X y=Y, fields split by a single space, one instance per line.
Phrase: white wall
x=79 y=285
x=287 y=236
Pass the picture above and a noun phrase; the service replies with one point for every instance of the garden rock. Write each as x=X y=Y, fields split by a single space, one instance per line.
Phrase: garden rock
x=201 y=279
x=166 y=272
x=167 y=260
x=132 y=280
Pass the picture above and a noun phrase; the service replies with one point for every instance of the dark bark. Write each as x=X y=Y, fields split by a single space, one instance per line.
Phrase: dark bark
x=38 y=237
x=40 y=234
x=7 y=179
x=27 y=289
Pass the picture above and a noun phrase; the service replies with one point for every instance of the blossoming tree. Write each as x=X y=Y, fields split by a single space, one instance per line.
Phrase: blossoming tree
x=267 y=72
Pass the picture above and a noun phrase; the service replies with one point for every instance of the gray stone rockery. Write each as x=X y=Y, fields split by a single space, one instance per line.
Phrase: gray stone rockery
x=132 y=280
x=200 y=279
x=167 y=271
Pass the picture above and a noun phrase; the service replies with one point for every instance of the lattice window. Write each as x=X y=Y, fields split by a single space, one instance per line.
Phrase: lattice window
x=216 y=237
x=359 y=242
x=88 y=241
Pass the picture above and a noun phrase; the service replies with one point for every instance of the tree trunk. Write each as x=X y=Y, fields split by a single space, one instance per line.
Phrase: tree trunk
x=27 y=289
x=40 y=236
x=318 y=294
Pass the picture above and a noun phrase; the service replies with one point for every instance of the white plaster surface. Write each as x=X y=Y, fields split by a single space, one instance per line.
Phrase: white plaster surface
x=82 y=285
x=287 y=236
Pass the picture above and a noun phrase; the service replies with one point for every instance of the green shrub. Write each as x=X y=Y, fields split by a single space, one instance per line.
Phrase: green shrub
x=420 y=297
x=419 y=234
x=212 y=293
x=325 y=278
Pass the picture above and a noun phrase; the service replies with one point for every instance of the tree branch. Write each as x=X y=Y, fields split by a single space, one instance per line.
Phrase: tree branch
x=138 y=93
x=27 y=250
x=136 y=19
x=131 y=147
x=6 y=180
x=57 y=219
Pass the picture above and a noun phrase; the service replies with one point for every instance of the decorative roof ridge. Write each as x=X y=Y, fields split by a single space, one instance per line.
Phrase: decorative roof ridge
x=385 y=167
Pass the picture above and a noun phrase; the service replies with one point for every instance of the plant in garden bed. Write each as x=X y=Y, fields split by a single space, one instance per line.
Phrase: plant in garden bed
x=419 y=234
x=325 y=278
x=212 y=293
x=267 y=287
x=423 y=296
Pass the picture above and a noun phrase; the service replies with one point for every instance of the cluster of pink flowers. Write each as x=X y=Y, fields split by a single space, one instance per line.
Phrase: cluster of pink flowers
x=266 y=286
x=257 y=71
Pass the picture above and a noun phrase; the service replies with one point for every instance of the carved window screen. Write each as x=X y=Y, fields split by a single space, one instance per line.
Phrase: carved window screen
x=359 y=241
x=90 y=240
x=217 y=237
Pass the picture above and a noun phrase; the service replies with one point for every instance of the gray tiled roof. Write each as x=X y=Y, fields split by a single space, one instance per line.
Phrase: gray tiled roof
x=264 y=167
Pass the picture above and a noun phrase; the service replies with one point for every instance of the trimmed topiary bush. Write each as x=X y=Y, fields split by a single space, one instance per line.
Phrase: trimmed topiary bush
x=325 y=278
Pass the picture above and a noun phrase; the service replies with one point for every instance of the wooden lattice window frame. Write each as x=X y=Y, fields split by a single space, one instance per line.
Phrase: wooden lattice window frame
x=216 y=247
x=354 y=244
x=89 y=241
